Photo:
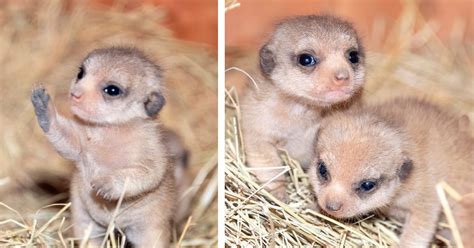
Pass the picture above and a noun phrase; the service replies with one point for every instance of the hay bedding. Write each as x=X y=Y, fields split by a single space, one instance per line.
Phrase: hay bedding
x=254 y=218
x=44 y=41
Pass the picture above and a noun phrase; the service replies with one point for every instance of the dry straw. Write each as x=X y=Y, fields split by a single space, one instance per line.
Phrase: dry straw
x=437 y=71
x=44 y=41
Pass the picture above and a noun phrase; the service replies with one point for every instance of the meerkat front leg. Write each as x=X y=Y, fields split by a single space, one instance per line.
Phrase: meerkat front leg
x=60 y=131
x=140 y=179
x=261 y=157
x=420 y=226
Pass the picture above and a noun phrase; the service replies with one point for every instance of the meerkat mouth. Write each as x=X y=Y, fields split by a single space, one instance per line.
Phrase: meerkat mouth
x=331 y=97
x=339 y=216
x=337 y=95
x=81 y=113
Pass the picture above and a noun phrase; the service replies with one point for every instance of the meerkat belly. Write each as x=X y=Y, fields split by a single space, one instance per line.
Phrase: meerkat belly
x=111 y=149
x=102 y=211
x=136 y=210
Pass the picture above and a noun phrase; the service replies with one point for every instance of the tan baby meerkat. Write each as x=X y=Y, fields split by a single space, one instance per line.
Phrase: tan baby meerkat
x=309 y=64
x=389 y=157
x=114 y=140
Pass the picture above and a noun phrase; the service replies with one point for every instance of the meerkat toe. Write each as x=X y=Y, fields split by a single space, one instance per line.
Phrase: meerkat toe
x=40 y=95
x=107 y=188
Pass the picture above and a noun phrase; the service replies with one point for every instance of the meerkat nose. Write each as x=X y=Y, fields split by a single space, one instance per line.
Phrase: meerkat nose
x=333 y=206
x=76 y=96
x=341 y=76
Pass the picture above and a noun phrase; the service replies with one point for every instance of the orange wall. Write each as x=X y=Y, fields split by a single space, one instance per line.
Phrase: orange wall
x=248 y=24
x=193 y=20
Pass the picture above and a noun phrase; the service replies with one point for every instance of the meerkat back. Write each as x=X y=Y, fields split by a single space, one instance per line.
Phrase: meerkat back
x=444 y=143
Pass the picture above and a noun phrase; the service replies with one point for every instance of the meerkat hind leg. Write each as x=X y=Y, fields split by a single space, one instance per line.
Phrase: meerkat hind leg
x=82 y=223
x=149 y=235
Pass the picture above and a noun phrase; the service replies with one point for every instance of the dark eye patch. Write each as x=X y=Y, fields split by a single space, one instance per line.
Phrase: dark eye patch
x=112 y=90
x=322 y=171
x=307 y=60
x=81 y=73
x=368 y=186
x=353 y=56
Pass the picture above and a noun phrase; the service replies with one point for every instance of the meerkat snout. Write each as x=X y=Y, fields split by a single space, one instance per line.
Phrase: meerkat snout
x=341 y=76
x=333 y=199
x=333 y=206
x=76 y=95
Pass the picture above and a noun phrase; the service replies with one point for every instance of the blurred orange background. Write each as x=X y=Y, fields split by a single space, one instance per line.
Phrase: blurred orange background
x=250 y=24
x=192 y=20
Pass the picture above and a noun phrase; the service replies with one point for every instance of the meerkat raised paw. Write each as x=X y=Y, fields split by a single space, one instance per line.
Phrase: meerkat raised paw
x=40 y=100
x=309 y=65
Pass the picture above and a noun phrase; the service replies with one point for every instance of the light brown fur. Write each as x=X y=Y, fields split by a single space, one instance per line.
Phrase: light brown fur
x=179 y=156
x=115 y=140
x=285 y=110
x=406 y=146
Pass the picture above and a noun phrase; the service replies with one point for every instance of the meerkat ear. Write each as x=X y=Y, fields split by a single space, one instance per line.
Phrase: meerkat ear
x=267 y=60
x=154 y=103
x=405 y=169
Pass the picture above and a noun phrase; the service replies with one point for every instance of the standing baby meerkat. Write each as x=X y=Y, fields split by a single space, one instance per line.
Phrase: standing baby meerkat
x=389 y=157
x=116 y=145
x=310 y=64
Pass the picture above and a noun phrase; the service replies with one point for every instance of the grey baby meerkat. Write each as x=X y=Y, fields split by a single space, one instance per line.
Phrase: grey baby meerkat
x=310 y=64
x=116 y=145
x=390 y=157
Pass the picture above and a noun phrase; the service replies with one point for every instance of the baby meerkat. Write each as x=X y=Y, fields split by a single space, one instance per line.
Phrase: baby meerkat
x=116 y=145
x=389 y=157
x=310 y=64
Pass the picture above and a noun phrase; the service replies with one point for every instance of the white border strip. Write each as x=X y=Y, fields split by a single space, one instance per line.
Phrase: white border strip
x=221 y=120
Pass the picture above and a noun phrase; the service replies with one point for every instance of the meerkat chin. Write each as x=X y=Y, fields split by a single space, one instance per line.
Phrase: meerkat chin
x=390 y=157
x=309 y=64
x=117 y=146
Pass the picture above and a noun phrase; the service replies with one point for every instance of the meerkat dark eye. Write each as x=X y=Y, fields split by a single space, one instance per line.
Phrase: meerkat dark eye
x=323 y=170
x=367 y=186
x=112 y=90
x=353 y=57
x=81 y=73
x=307 y=60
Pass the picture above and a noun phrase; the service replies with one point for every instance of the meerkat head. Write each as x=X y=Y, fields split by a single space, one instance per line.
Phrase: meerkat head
x=360 y=165
x=115 y=85
x=318 y=59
